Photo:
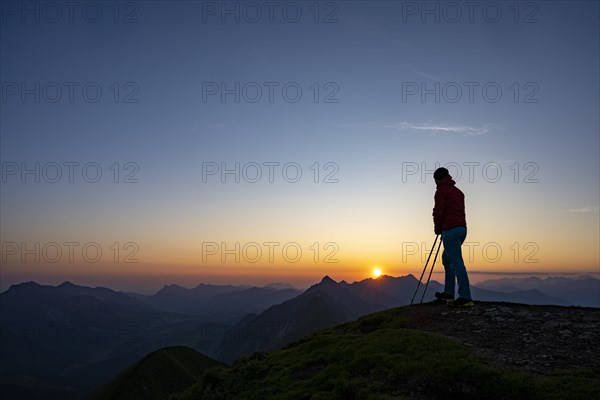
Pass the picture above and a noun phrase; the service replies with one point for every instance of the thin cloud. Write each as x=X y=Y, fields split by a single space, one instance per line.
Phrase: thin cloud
x=584 y=210
x=441 y=128
x=426 y=75
x=351 y=124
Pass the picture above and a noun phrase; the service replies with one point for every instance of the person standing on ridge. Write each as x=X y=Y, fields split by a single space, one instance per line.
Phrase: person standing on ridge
x=449 y=221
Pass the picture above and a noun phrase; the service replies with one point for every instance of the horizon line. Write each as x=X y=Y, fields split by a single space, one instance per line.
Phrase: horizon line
x=517 y=273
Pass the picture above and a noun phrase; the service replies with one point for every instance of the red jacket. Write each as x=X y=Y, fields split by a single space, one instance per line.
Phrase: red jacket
x=449 y=209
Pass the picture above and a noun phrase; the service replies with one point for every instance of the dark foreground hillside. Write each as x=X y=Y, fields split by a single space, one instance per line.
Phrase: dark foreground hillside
x=429 y=351
x=156 y=376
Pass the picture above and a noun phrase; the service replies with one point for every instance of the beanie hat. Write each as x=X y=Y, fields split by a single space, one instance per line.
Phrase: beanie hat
x=440 y=174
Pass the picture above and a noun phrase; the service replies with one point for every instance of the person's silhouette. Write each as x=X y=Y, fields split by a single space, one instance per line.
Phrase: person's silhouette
x=449 y=221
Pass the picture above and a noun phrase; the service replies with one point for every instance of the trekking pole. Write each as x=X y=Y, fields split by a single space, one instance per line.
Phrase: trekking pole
x=424 y=269
x=431 y=271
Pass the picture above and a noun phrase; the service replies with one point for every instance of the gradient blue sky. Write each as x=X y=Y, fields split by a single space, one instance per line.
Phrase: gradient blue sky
x=370 y=54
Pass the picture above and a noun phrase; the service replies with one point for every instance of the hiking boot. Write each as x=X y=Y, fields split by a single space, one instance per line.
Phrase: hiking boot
x=444 y=297
x=461 y=302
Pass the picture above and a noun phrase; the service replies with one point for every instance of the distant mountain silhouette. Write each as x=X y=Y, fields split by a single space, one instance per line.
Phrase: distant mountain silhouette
x=216 y=299
x=249 y=300
x=579 y=291
x=532 y=296
x=174 y=298
x=280 y=286
x=20 y=294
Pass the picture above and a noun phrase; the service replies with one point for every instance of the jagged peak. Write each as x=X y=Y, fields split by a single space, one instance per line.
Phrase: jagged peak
x=325 y=283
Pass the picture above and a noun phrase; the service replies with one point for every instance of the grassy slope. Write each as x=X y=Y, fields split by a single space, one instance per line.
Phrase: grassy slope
x=373 y=358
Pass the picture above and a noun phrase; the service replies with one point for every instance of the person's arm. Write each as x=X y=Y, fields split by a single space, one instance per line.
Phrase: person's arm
x=438 y=211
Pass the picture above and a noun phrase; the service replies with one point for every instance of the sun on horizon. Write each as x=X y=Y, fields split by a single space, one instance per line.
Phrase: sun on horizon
x=377 y=272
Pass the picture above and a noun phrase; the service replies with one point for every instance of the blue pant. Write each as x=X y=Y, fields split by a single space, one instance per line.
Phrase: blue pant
x=453 y=262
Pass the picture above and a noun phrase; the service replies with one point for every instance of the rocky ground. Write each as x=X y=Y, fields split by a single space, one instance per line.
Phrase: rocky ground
x=535 y=338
